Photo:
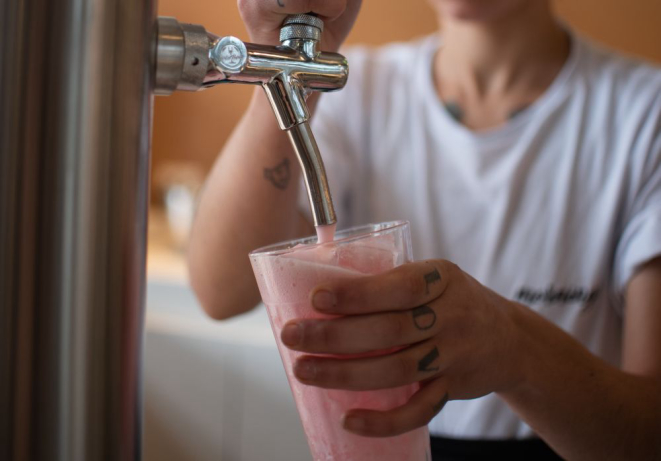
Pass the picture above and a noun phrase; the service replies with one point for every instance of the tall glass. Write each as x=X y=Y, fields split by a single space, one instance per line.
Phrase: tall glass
x=286 y=274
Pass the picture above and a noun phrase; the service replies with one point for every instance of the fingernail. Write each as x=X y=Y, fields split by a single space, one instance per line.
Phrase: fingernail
x=354 y=423
x=292 y=334
x=305 y=369
x=323 y=300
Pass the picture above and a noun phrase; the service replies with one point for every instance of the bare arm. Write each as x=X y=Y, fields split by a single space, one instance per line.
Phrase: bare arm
x=586 y=409
x=250 y=200
x=250 y=197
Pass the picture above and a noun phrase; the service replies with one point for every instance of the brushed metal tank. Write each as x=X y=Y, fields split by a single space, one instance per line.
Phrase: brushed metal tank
x=75 y=114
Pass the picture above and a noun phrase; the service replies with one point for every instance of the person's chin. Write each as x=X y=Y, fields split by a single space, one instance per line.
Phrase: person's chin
x=473 y=10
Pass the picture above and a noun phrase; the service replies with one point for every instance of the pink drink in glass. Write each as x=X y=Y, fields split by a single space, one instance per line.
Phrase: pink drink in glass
x=286 y=275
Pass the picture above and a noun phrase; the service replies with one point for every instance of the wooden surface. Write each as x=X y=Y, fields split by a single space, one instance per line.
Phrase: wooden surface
x=192 y=127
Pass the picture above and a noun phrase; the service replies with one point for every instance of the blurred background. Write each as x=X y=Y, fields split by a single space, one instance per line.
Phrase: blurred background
x=193 y=127
x=217 y=391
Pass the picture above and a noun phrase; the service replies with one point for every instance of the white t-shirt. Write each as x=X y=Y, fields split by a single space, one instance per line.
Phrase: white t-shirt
x=555 y=209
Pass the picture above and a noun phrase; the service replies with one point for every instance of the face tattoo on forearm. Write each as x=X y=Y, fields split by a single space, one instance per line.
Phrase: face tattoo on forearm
x=280 y=175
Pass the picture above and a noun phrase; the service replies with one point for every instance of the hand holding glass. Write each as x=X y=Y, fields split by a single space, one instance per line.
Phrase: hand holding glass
x=286 y=274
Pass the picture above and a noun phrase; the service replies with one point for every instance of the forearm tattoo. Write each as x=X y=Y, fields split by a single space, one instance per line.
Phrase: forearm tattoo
x=279 y=175
x=432 y=278
x=425 y=363
x=439 y=406
x=424 y=317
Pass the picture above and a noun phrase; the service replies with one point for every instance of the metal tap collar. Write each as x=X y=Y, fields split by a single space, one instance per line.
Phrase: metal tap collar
x=298 y=32
x=305 y=19
x=301 y=27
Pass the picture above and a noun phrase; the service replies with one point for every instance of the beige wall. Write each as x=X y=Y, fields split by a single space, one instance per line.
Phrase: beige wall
x=194 y=126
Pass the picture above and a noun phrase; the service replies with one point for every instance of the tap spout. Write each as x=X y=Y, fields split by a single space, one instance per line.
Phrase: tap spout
x=314 y=174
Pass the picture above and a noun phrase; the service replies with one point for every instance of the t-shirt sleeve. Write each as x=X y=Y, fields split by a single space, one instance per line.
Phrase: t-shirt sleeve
x=640 y=240
x=335 y=113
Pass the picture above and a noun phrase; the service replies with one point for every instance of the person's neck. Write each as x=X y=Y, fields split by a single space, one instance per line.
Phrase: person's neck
x=482 y=58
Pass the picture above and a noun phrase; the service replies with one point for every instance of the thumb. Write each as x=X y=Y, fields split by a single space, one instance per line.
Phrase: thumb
x=421 y=408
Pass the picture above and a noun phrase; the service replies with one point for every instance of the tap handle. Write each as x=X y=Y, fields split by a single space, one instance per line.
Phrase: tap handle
x=308 y=19
x=301 y=27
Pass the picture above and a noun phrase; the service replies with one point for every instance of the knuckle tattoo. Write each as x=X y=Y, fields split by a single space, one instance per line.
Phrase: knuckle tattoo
x=431 y=278
x=426 y=363
x=424 y=317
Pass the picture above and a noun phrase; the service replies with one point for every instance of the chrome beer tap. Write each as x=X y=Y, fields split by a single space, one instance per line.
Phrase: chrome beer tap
x=189 y=58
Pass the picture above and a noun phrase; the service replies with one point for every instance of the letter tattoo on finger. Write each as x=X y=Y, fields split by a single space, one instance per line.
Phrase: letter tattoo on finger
x=439 y=406
x=432 y=278
x=424 y=317
x=424 y=364
x=279 y=175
